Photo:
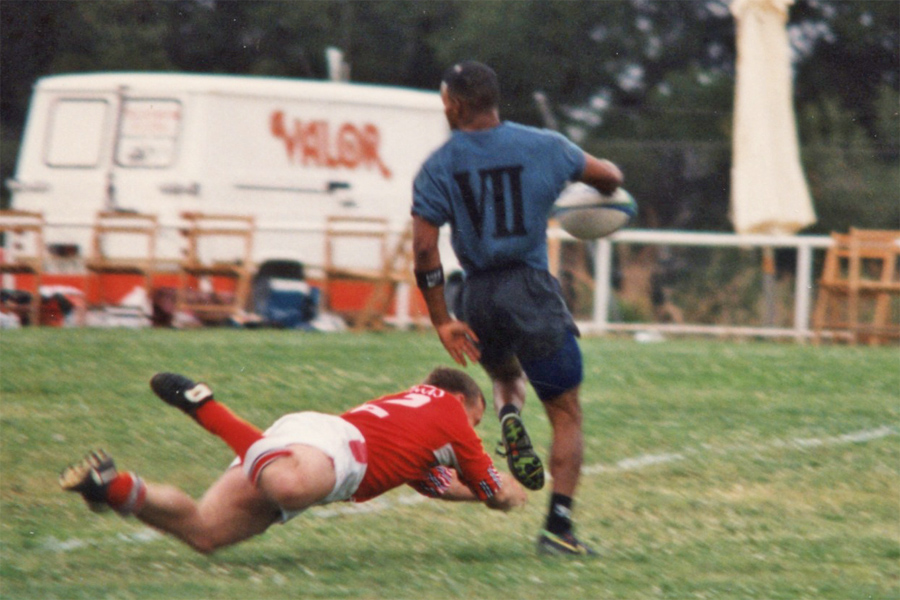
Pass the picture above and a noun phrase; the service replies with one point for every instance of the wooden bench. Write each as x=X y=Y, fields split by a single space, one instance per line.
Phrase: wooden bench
x=219 y=246
x=133 y=235
x=859 y=288
x=23 y=254
x=390 y=265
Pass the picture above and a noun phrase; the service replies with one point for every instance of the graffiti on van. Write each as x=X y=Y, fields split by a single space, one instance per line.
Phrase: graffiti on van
x=320 y=144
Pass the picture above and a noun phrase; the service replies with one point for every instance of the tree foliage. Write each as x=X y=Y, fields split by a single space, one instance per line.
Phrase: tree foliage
x=647 y=83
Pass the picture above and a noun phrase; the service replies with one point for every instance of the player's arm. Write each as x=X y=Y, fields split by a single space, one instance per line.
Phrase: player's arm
x=456 y=336
x=509 y=496
x=477 y=474
x=601 y=174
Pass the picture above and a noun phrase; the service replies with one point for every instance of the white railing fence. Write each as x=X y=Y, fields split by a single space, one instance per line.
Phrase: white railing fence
x=304 y=243
x=803 y=288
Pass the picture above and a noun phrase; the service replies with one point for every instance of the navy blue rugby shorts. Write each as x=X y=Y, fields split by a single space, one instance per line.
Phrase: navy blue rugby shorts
x=520 y=312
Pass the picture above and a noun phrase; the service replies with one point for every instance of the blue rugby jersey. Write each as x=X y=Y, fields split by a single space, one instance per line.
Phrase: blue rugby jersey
x=496 y=188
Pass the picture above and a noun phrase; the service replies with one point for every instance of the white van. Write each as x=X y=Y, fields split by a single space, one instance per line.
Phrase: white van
x=289 y=152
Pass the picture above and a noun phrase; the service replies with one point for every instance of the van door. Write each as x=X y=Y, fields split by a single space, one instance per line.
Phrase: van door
x=63 y=165
x=147 y=169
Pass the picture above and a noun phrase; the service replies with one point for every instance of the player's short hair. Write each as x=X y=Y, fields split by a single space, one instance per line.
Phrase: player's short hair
x=456 y=382
x=474 y=84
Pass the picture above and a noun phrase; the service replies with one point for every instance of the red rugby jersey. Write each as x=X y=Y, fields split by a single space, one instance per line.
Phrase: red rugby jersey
x=410 y=435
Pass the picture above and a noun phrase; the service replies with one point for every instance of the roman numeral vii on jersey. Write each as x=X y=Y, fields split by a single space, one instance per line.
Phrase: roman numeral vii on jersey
x=502 y=188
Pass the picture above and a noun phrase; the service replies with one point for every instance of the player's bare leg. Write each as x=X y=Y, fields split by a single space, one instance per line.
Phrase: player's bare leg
x=566 y=457
x=231 y=511
x=510 y=392
x=510 y=385
x=298 y=480
x=567 y=445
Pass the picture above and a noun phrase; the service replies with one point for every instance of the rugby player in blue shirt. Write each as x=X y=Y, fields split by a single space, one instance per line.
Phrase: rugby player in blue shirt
x=495 y=183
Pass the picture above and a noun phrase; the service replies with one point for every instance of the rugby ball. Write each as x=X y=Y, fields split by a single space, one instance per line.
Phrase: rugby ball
x=583 y=212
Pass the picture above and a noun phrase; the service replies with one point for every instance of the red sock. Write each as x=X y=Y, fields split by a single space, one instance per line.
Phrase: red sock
x=219 y=420
x=126 y=493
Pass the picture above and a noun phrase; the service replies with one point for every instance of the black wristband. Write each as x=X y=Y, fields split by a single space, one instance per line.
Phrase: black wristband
x=430 y=279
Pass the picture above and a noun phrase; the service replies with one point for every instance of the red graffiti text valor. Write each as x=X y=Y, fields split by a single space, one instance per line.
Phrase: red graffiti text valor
x=316 y=143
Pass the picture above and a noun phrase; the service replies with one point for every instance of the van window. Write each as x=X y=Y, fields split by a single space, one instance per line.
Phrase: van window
x=148 y=133
x=76 y=132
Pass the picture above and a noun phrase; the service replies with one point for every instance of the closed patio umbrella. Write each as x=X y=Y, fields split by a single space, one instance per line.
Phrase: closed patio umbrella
x=769 y=193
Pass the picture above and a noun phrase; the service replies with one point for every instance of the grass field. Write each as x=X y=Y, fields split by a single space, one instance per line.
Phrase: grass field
x=713 y=470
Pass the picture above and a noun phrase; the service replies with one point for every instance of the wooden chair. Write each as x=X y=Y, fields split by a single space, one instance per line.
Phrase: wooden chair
x=396 y=269
x=23 y=255
x=388 y=267
x=859 y=287
x=219 y=247
x=123 y=243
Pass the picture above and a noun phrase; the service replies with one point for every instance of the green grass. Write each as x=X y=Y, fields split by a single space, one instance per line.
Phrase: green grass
x=712 y=470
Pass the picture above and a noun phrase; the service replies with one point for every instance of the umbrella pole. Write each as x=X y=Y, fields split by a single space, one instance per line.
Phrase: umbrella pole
x=768 y=268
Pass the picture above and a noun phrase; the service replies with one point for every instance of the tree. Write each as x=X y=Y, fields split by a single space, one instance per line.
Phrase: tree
x=648 y=83
x=850 y=51
x=851 y=181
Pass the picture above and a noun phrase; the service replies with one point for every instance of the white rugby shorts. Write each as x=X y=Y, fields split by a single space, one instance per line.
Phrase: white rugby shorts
x=332 y=435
